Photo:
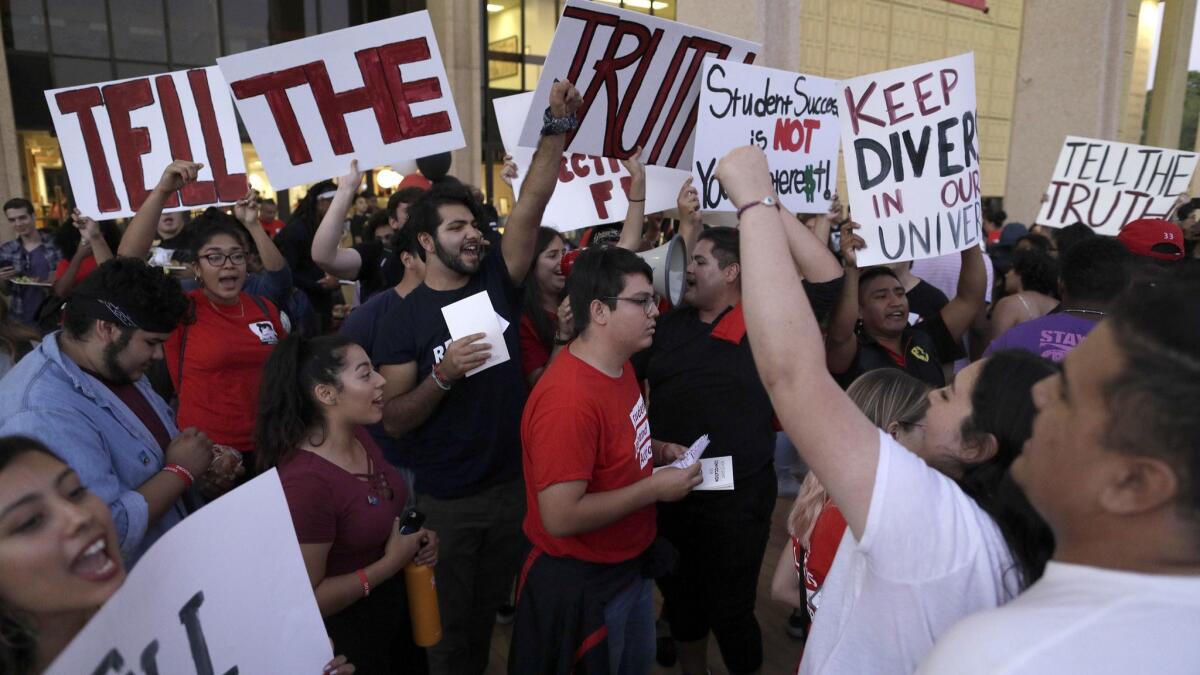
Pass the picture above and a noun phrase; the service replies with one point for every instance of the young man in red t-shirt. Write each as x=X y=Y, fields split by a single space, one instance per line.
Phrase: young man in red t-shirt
x=589 y=482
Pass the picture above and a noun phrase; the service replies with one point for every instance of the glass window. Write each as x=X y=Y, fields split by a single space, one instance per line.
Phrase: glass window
x=541 y=16
x=335 y=14
x=504 y=44
x=78 y=27
x=246 y=25
x=70 y=72
x=138 y=30
x=127 y=69
x=193 y=31
x=28 y=25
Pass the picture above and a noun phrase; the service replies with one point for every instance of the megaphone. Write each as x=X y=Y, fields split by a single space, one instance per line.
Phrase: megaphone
x=669 y=263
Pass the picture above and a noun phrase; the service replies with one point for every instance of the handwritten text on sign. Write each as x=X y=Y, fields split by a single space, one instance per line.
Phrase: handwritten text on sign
x=1105 y=185
x=117 y=137
x=591 y=190
x=376 y=93
x=911 y=147
x=639 y=79
x=792 y=117
x=218 y=593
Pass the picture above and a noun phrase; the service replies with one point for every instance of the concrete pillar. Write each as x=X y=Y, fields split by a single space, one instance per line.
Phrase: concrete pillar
x=1062 y=89
x=11 y=184
x=1170 y=74
x=456 y=24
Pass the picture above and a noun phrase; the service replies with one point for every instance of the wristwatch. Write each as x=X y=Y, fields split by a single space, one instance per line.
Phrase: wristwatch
x=765 y=201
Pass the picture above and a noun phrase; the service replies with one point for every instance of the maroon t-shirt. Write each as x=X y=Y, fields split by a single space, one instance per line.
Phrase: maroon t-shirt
x=131 y=397
x=330 y=504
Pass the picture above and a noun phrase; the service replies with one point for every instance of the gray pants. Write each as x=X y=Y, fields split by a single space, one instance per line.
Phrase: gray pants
x=479 y=548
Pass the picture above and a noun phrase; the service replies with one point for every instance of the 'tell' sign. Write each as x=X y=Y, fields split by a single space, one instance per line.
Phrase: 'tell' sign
x=377 y=93
x=117 y=137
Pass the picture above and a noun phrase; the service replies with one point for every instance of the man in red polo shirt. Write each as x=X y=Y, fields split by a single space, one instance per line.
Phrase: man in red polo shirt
x=584 y=592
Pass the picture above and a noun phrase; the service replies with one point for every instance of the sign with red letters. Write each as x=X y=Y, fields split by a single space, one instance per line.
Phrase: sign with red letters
x=640 y=80
x=377 y=93
x=117 y=137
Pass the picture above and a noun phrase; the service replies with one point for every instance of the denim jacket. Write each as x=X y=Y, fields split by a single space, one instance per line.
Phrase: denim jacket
x=48 y=397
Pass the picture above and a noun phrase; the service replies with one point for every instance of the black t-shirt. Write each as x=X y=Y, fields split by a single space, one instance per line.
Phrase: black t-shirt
x=703 y=381
x=925 y=300
x=921 y=350
x=473 y=439
x=380 y=270
x=378 y=316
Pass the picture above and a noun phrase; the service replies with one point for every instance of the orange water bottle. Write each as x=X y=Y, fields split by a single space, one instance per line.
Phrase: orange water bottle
x=422 y=591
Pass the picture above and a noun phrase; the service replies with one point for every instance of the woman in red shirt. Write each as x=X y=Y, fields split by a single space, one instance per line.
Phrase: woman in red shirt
x=546 y=323
x=216 y=362
x=317 y=398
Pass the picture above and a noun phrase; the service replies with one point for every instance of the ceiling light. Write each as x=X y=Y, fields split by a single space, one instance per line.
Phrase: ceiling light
x=493 y=7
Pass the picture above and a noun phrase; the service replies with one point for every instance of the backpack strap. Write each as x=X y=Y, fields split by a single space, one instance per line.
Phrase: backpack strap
x=262 y=306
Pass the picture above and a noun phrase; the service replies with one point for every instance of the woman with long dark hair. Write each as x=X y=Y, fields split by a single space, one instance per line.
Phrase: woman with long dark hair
x=59 y=558
x=546 y=322
x=317 y=397
x=934 y=534
x=1031 y=291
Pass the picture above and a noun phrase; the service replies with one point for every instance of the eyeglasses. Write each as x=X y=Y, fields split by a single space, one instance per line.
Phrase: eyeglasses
x=648 y=302
x=218 y=259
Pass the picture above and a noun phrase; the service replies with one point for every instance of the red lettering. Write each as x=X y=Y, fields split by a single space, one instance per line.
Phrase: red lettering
x=601 y=194
x=201 y=191
x=80 y=102
x=702 y=48
x=404 y=93
x=922 y=95
x=131 y=142
x=229 y=187
x=892 y=106
x=274 y=87
x=334 y=106
x=810 y=125
x=577 y=164
x=948 y=85
x=855 y=109
x=564 y=173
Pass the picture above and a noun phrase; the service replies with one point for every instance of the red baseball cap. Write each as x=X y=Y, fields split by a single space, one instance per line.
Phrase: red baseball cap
x=1153 y=238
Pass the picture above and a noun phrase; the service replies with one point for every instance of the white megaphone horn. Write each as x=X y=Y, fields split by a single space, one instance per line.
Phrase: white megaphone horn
x=669 y=263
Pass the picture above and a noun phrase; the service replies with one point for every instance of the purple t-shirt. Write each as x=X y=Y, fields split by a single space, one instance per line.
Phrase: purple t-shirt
x=1050 y=336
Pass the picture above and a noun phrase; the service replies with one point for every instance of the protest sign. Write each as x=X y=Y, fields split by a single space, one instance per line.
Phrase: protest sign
x=792 y=117
x=911 y=148
x=638 y=75
x=220 y=592
x=1104 y=184
x=117 y=137
x=591 y=190
x=377 y=93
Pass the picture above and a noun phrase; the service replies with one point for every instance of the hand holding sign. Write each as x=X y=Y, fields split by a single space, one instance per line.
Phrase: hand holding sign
x=851 y=243
x=675 y=483
x=178 y=174
x=744 y=175
x=464 y=355
x=564 y=99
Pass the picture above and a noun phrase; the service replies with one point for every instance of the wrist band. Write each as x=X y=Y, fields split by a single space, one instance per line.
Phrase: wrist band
x=183 y=474
x=636 y=200
x=553 y=126
x=362 y=577
x=442 y=384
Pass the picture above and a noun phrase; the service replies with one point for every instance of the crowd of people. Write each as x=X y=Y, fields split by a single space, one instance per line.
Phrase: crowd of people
x=1002 y=453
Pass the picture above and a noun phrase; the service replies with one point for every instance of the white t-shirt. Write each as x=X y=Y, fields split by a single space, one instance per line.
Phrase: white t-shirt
x=929 y=556
x=1081 y=620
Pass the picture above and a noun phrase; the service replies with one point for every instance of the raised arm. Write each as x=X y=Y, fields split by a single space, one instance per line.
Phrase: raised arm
x=343 y=263
x=635 y=215
x=139 y=234
x=520 y=230
x=813 y=258
x=972 y=288
x=841 y=344
x=690 y=226
x=246 y=211
x=90 y=241
x=835 y=439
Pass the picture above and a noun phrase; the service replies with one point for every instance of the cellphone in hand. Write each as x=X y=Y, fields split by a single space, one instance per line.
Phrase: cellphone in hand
x=412 y=522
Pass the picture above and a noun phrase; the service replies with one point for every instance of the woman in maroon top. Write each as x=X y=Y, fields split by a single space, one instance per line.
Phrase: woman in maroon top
x=316 y=398
x=546 y=316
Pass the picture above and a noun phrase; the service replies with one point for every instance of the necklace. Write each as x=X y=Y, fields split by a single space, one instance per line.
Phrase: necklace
x=241 y=308
x=1094 y=312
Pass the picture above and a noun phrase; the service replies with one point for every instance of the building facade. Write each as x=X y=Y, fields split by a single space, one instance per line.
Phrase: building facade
x=1045 y=68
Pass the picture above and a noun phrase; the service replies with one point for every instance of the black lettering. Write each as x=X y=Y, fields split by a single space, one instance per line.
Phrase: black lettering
x=189 y=616
x=883 y=244
x=916 y=155
x=945 y=147
x=112 y=661
x=862 y=145
x=730 y=98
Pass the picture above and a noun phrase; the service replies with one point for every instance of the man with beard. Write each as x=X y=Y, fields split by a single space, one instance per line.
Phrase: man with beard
x=460 y=434
x=1113 y=465
x=703 y=381
x=81 y=392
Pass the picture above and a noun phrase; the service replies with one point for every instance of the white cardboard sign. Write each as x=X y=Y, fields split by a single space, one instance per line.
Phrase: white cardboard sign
x=219 y=591
x=1105 y=184
x=475 y=314
x=639 y=77
x=792 y=117
x=377 y=93
x=117 y=137
x=911 y=146
x=591 y=190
